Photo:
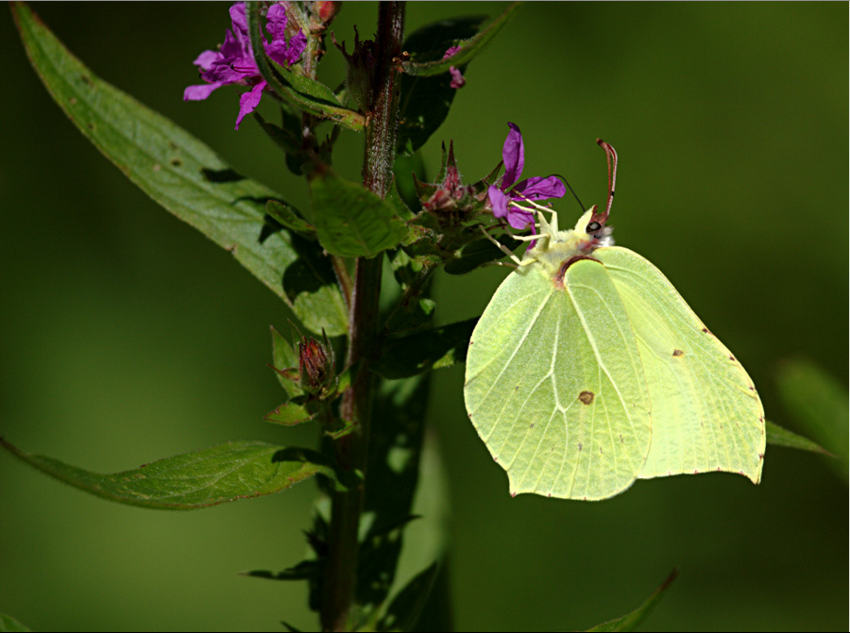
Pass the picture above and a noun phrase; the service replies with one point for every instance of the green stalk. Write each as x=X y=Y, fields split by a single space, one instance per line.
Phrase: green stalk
x=340 y=579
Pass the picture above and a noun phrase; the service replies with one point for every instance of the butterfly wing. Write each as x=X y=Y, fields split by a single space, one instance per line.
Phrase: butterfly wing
x=706 y=414
x=554 y=384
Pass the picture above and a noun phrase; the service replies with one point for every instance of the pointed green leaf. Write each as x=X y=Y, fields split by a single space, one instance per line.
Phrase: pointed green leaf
x=285 y=357
x=351 y=221
x=469 y=48
x=8 y=623
x=631 y=620
x=478 y=253
x=819 y=405
x=289 y=414
x=222 y=473
x=404 y=193
x=288 y=138
x=403 y=356
x=412 y=317
x=403 y=612
x=303 y=92
x=185 y=177
x=305 y=570
x=285 y=215
x=777 y=436
x=284 y=137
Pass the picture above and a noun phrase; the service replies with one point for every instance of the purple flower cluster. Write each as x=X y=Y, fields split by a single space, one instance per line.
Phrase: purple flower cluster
x=234 y=63
x=457 y=77
x=505 y=198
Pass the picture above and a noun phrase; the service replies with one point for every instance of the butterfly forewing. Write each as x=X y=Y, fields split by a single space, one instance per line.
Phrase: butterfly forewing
x=554 y=384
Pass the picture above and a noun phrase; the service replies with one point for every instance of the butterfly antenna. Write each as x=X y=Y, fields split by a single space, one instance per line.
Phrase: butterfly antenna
x=611 y=154
x=572 y=191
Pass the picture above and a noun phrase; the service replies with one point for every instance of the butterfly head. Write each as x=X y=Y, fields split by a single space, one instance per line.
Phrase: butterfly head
x=557 y=249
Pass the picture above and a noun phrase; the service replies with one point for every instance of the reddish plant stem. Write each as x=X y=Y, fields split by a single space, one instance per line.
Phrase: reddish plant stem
x=340 y=579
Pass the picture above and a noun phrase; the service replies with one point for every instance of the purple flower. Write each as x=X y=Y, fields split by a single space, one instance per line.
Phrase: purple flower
x=457 y=77
x=234 y=63
x=506 y=203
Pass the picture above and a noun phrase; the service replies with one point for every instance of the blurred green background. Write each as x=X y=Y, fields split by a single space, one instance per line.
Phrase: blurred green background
x=126 y=336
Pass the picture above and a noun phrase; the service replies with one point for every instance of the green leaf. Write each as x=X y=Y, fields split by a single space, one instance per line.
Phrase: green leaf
x=285 y=215
x=404 y=193
x=186 y=178
x=222 y=473
x=289 y=414
x=351 y=221
x=479 y=253
x=778 y=436
x=403 y=356
x=303 y=92
x=285 y=357
x=819 y=405
x=305 y=570
x=418 y=313
x=308 y=285
x=469 y=48
x=403 y=612
x=8 y=623
x=631 y=620
x=286 y=137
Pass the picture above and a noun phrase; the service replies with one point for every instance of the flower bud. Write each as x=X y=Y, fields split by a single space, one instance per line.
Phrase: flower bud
x=449 y=198
x=317 y=369
x=326 y=10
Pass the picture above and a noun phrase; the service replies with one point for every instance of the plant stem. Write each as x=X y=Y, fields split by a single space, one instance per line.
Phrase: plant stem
x=340 y=577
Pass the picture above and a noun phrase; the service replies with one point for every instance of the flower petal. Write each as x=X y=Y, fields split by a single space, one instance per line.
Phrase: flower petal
x=206 y=59
x=297 y=44
x=513 y=155
x=249 y=101
x=520 y=219
x=279 y=50
x=239 y=20
x=539 y=188
x=199 y=93
x=499 y=201
x=276 y=16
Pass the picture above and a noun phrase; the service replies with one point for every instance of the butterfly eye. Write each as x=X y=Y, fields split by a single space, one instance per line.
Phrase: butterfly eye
x=593 y=227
